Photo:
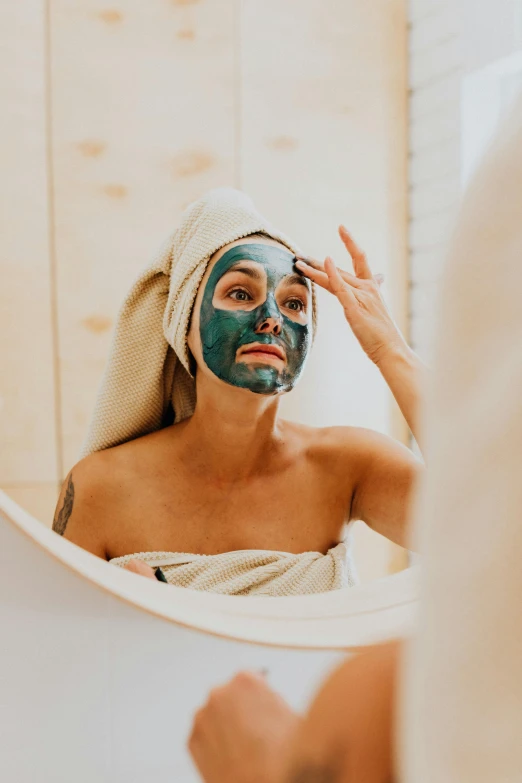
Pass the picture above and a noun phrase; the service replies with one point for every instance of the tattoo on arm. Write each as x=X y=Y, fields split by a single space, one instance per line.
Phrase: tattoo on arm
x=62 y=516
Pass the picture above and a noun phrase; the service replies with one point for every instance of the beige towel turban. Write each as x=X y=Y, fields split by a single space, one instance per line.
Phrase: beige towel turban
x=148 y=366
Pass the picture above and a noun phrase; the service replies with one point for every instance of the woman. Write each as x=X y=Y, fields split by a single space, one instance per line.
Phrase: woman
x=230 y=497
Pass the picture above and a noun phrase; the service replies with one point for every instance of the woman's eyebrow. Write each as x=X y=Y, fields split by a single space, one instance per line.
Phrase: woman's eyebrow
x=250 y=271
x=296 y=279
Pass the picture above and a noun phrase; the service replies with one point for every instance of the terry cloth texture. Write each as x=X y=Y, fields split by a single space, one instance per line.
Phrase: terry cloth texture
x=254 y=571
x=148 y=370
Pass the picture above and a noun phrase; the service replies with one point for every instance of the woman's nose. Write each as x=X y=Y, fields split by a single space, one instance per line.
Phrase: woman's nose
x=269 y=325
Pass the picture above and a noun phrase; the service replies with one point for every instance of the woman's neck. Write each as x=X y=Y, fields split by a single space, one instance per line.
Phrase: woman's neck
x=232 y=435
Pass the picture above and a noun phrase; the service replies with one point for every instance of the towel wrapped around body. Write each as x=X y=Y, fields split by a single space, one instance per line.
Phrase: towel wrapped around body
x=254 y=571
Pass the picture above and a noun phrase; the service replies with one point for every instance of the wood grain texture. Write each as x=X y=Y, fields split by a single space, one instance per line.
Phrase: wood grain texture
x=27 y=404
x=143 y=123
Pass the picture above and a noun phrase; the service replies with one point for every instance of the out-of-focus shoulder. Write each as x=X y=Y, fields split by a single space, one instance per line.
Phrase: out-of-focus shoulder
x=357 y=443
x=343 y=437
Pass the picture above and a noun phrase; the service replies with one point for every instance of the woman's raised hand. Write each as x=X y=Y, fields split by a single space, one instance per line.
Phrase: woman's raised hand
x=360 y=298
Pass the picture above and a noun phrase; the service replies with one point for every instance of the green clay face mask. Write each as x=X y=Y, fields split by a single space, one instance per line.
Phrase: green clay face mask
x=255 y=298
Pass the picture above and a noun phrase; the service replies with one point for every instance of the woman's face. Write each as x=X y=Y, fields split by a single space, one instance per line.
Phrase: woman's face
x=253 y=315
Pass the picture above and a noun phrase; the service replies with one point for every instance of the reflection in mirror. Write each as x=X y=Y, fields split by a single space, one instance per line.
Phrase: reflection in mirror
x=260 y=486
x=190 y=475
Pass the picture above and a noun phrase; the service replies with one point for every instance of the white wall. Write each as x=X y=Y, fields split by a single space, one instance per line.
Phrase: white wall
x=447 y=41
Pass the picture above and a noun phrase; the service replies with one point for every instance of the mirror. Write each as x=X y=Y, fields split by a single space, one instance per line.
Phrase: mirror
x=109 y=149
x=106 y=687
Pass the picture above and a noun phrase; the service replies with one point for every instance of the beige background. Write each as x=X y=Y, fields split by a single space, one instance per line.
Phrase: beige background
x=115 y=117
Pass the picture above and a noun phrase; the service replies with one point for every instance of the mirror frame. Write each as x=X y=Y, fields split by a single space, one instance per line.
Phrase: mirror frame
x=342 y=620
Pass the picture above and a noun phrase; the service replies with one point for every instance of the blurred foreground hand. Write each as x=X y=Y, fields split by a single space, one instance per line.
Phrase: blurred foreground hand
x=243 y=733
x=246 y=733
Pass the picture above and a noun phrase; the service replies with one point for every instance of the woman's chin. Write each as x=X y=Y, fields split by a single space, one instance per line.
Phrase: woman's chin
x=259 y=377
x=261 y=359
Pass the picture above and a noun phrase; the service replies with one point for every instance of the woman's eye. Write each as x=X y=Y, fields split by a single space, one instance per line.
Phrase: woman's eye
x=295 y=304
x=240 y=296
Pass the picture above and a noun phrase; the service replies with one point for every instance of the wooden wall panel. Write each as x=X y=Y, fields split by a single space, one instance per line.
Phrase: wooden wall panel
x=143 y=122
x=27 y=403
x=323 y=132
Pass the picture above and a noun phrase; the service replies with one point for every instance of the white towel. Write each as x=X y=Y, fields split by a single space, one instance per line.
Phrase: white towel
x=254 y=571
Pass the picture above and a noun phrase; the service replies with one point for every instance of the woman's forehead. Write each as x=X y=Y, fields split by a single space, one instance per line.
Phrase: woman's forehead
x=274 y=261
x=256 y=239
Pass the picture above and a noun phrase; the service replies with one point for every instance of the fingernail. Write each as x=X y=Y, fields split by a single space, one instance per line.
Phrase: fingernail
x=160 y=576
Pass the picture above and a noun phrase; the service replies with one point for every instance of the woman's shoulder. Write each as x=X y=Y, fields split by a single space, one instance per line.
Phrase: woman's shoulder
x=104 y=475
x=344 y=447
x=101 y=468
x=92 y=489
x=336 y=438
x=121 y=460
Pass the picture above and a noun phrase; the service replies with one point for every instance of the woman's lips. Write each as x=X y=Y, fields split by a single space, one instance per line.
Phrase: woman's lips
x=261 y=351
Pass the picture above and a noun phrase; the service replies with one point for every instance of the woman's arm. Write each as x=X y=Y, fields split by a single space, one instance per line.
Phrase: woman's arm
x=79 y=511
x=384 y=475
x=246 y=733
x=372 y=324
x=402 y=370
x=348 y=734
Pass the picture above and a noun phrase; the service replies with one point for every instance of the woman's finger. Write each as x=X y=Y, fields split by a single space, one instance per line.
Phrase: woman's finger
x=360 y=264
x=313 y=262
x=317 y=266
x=315 y=275
x=342 y=291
